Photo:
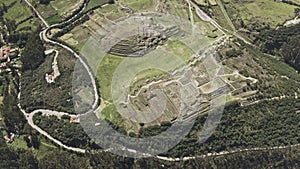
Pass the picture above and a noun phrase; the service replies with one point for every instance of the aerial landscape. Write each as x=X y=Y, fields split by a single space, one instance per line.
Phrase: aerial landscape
x=149 y=84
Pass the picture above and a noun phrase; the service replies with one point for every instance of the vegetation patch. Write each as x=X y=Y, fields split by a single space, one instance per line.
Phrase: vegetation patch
x=68 y=133
x=18 y=12
x=265 y=124
x=141 y=5
x=93 y=4
x=105 y=74
x=37 y=93
x=263 y=12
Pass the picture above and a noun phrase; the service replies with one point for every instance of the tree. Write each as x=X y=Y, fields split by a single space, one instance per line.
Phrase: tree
x=291 y=52
x=111 y=1
x=33 y=54
x=27 y=160
x=46 y=2
x=35 y=141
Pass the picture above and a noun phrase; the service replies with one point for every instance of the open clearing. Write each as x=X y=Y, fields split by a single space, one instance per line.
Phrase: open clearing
x=141 y=5
x=66 y=7
x=95 y=3
x=18 y=12
x=261 y=11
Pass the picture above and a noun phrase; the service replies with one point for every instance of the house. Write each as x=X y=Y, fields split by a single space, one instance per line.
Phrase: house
x=4 y=52
x=49 y=78
x=74 y=119
x=9 y=138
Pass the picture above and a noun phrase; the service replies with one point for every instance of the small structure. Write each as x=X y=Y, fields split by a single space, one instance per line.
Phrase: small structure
x=74 y=119
x=9 y=138
x=4 y=52
x=49 y=78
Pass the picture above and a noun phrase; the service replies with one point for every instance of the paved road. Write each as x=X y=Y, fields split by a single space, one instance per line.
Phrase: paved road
x=29 y=116
x=55 y=113
x=226 y=153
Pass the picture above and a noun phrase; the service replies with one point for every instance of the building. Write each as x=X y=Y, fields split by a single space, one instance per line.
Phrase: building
x=4 y=53
x=49 y=78
x=74 y=119
x=9 y=138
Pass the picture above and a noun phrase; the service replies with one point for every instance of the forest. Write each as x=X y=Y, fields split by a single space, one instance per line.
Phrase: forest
x=71 y=134
x=284 y=42
x=265 y=124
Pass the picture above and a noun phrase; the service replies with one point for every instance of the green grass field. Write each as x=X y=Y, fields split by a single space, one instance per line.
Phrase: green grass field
x=95 y=3
x=110 y=113
x=268 y=11
x=57 y=10
x=179 y=49
x=7 y=2
x=141 y=5
x=104 y=74
x=33 y=23
x=18 y=12
x=18 y=143
x=65 y=7
x=143 y=76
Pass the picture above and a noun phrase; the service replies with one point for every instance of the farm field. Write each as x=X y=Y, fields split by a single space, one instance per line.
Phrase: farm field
x=97 y=19
x=141 y=5
x=95 y=3
x=31 y=23
x=20 y=14
x=261 y=11
x=57 y=10
x=65 y=8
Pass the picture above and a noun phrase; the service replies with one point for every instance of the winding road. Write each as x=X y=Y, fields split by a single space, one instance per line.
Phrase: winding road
x=29 y=116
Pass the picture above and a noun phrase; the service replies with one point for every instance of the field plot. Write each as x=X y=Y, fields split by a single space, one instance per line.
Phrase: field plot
x=177 y=8
x=179 y=49
x=18 y=12
x=141 y=5
x=261 y=11
x=98 y=19
x=95 y=3
x=207 y=29
x=105 y=73
x=66 y=7
x=30 y=24
x=57 y=10
x=145 y=77
x=19 y=15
